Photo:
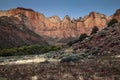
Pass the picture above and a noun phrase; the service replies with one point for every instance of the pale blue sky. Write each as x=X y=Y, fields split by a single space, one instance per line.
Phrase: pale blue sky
x=73 y=8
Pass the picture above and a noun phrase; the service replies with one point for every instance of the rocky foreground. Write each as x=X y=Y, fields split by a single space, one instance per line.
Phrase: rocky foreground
x=105 y=68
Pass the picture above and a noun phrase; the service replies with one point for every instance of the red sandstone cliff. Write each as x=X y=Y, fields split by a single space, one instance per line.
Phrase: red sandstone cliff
x=54 y=27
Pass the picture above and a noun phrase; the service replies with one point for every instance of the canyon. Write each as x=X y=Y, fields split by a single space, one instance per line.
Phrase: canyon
x=54 y=30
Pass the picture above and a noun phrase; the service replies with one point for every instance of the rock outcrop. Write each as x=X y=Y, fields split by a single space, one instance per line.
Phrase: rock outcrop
x=117 y=15
x=54 y=27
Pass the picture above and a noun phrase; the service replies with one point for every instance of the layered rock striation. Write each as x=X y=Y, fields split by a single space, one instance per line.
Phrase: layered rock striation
x=55 y=27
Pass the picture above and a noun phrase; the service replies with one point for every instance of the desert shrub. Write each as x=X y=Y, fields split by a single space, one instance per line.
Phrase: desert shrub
x=83 y=36
x=50 y=54
x=113 y=21
x=94 y=30
x=70 y=58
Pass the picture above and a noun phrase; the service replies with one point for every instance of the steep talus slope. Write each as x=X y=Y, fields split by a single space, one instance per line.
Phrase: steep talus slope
x=14 y=33
x=105 y=42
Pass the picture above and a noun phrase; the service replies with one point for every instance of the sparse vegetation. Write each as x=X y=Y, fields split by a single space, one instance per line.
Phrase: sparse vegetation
x=83 y=36
x=94 y=30
x=113 y=21
x=95 y=69
x=50 y=54
x=70 y=58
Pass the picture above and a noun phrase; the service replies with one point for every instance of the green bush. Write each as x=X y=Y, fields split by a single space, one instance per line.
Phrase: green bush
x=8 y=52
x=83 y=36
x=94 y=30
x=113 y=21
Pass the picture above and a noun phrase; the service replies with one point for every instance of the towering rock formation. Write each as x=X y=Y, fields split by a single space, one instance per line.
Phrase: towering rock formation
x=53 y=26
x=95 y=19
x=33 y=20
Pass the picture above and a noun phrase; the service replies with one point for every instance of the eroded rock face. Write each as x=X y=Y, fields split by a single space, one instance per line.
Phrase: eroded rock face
x=33 y=20
x=56 y=28
x=95 y=19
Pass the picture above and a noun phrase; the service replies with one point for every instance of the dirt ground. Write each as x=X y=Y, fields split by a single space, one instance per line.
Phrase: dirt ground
x=96 y=69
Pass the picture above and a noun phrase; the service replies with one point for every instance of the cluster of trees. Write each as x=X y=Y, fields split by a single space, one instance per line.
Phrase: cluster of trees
x=28 y=50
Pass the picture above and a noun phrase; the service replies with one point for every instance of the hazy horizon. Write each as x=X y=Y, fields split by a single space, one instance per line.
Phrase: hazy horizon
x=73 y=8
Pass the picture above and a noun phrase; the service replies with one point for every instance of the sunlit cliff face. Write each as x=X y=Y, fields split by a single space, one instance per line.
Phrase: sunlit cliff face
x=56 y=28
